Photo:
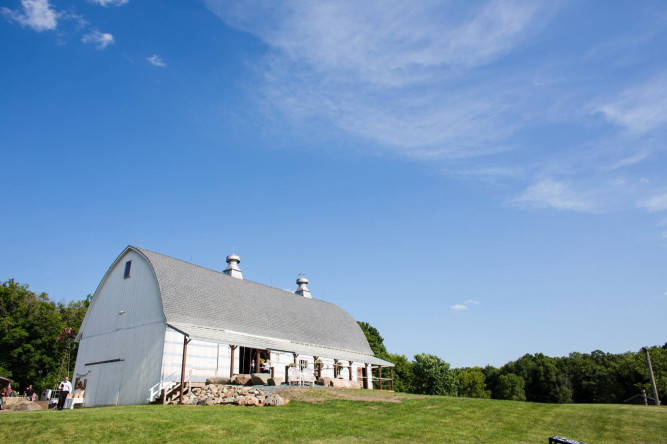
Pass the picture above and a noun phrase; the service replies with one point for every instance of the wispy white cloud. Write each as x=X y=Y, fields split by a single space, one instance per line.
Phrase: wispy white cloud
x=36 y=14
x=448 y=83
x=470 y=301
x=548 y=193
x=655 y=204
x=458 y=307
x=100 y=39
x=156 y=60
x=109 y=2
x=392 y=73
x=639 y=109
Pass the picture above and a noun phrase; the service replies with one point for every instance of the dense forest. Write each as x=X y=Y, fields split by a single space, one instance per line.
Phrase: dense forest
x=595 y=377
x=35 y=333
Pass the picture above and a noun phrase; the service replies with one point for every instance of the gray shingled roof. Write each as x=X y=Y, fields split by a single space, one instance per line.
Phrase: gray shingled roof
x=198 y=296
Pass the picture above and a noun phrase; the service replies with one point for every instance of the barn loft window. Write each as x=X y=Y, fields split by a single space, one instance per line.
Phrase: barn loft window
x=128 y=265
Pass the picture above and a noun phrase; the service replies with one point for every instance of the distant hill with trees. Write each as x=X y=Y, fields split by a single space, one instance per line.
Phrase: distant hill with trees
x=595 y=377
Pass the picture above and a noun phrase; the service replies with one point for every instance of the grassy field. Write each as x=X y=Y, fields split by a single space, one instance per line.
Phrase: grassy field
x=343 y=416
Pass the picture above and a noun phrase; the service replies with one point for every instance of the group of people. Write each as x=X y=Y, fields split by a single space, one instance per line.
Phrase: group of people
x=65 y=387
x=8 y=392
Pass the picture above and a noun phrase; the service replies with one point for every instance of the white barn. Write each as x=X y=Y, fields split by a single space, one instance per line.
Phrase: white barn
x=154 y=318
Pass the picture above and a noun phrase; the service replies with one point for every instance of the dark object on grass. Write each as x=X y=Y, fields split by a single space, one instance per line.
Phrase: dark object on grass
x=561 y=440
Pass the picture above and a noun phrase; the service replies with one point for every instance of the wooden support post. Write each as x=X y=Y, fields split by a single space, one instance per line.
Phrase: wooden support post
x=295 y=355
x=335 y=368
x=273 y=372
x=257 y=365
x=287 y=374
x=231 y=367
x=316 y=367
x=366 y=373
x=650 y=372
x=350 y=370
x=391 y=369
x=185 y=354
x=380 y=376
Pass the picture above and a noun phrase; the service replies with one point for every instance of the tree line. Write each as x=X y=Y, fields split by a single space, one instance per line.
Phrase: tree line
x=595 y=377
x=32 y=343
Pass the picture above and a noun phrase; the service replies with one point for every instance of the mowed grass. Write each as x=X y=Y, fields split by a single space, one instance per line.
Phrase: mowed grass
x=326 y=416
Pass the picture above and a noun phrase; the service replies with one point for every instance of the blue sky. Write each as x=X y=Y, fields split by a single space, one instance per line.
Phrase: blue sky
x=478 y=180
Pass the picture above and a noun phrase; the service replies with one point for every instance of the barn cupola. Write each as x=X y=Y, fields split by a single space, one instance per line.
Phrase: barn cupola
x=233 y=269
x=303 y=289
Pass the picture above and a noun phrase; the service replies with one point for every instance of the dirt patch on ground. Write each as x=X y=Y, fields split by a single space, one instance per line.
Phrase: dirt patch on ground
x=317 y=395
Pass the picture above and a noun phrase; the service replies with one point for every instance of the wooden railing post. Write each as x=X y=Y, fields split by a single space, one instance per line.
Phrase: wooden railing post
x=185 y=354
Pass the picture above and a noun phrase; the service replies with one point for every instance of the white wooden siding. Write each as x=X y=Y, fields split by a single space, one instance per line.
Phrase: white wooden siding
x=124 y=322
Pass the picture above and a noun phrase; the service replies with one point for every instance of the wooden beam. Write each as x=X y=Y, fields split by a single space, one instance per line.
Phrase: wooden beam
x=231 y=367
x=350 y=370
x=185 y=354
x=257 y=366
x=391 y=369
x=366 y=376
x=380 y=376
x=295 y=355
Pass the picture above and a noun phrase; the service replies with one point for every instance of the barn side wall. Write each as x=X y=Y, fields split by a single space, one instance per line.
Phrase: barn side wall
x=122 y=336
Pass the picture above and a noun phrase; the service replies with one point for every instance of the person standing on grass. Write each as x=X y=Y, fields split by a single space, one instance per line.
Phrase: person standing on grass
x=65 y=387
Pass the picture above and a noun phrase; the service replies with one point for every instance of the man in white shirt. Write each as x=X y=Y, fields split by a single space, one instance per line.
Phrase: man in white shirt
x=65 y=388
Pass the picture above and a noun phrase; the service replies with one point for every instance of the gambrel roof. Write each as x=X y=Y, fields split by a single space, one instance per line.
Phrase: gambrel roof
x=212 y=305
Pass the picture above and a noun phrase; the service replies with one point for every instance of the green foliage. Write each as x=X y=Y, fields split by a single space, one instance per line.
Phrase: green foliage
x=375 y=341
x=29 y=326
x=432 y=376
x=402 y=372
x=471 y=383
x=511 y=387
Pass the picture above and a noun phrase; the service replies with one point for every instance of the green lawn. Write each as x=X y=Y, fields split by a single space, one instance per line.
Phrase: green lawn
x=328 y=419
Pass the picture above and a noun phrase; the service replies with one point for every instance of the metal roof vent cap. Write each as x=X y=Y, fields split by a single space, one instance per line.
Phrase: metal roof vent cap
x=233 y=269
x=303 y=289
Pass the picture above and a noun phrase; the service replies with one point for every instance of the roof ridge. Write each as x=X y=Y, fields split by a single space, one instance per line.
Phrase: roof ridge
x=240 y=280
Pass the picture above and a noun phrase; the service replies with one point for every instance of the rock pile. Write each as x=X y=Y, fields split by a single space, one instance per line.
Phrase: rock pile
x=214 y=394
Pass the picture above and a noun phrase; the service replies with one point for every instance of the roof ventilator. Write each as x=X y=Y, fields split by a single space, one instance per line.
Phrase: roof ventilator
x=233 y=269
x=303 y=289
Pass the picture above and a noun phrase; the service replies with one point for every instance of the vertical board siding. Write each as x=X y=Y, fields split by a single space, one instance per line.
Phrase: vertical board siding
x=135 y=336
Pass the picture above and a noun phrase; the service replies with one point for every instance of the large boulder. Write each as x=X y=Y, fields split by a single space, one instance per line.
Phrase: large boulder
x=216 y=380
x=240 y=379
x=326 y=381
x=343 y=383
x=260 y=378
x=26 y=406
x=275 y=381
